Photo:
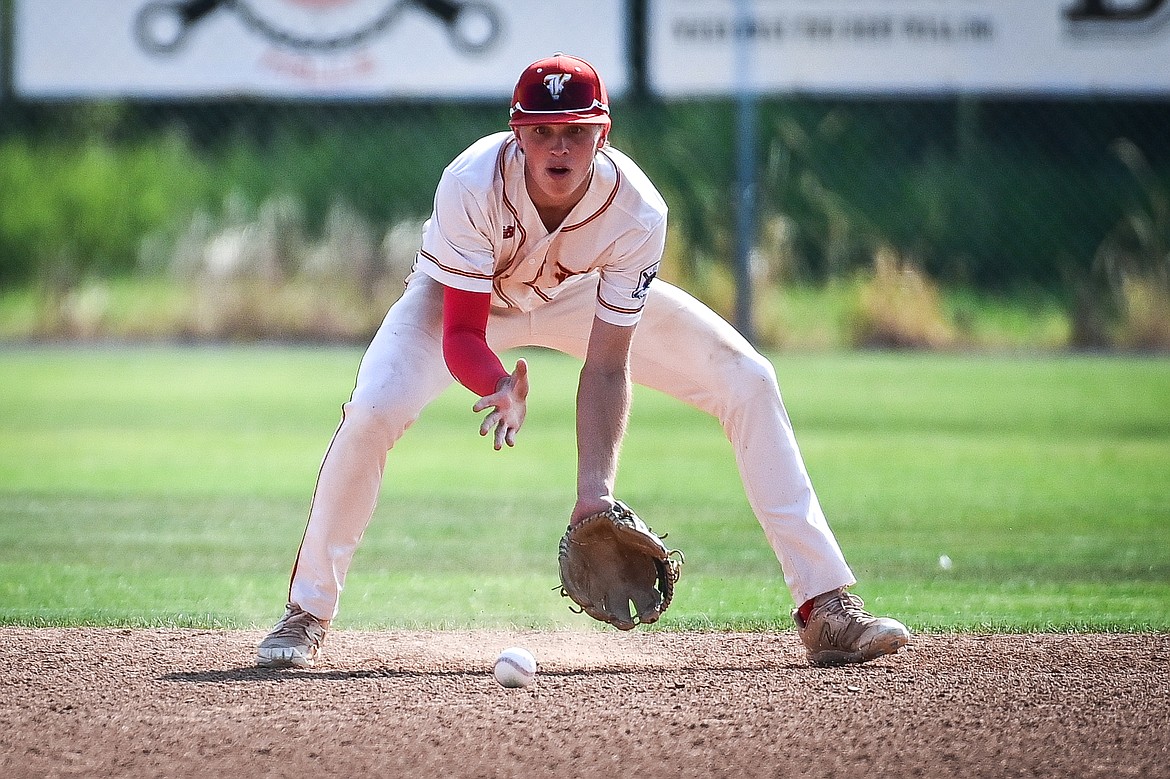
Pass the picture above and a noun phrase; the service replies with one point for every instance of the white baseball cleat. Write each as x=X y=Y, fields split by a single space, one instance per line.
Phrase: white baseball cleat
x=295 y=641
x=839 y=631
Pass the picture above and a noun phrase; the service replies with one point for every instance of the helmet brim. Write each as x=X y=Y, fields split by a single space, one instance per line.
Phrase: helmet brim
x=520 y=119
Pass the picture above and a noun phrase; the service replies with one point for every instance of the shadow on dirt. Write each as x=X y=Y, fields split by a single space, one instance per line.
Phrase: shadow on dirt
x=255 y=674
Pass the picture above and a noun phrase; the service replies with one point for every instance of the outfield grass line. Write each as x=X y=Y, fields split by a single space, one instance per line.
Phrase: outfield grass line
x=163 y=486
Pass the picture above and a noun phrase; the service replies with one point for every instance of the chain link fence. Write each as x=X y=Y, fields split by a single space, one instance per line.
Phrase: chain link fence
x=1062 y=199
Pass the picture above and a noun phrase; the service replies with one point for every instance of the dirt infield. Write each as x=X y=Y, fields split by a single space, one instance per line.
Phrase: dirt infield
x=148 y=703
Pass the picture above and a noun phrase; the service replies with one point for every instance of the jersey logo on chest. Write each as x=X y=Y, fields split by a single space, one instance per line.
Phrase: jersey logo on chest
x=509 y=231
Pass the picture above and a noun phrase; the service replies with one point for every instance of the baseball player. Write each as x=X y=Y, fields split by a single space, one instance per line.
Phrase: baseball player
x=545 y=235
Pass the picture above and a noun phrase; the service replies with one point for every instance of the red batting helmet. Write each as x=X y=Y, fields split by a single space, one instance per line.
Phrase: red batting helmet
x=560 y=90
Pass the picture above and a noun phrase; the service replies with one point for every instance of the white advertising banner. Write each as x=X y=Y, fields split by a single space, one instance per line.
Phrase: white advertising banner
x=1010 y=47
x=305 y=48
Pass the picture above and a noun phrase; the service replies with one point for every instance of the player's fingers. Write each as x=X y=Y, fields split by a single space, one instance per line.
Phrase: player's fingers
x=500 y=435
x=510 y=437
x=489 y=422
x=520 y=378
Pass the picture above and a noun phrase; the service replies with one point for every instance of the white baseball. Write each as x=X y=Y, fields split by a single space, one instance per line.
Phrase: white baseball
x=515 y=667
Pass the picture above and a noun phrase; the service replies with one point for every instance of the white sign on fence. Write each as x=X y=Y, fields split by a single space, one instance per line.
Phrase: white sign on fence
x=295 y=48
x=1089 y=47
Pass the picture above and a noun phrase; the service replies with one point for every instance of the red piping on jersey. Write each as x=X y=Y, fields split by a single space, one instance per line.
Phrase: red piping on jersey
x=507 y=202
x=496 y=285
x=454 y=271
x=617 y=309
x=604 y=206
x=539 y=292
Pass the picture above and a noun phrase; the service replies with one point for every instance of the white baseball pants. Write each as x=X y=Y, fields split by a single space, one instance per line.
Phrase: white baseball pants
x=681 y=348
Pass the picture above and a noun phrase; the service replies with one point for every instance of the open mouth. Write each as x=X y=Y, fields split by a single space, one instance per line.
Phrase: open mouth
x=558 y=171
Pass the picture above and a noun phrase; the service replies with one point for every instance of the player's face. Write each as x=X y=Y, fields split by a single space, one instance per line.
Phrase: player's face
x=558 y=159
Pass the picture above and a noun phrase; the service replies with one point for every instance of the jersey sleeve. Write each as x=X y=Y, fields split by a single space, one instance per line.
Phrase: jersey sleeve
x=456 y=250
x=625 y=280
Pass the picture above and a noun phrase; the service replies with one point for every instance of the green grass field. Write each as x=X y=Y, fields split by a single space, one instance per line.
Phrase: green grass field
x=169 y=486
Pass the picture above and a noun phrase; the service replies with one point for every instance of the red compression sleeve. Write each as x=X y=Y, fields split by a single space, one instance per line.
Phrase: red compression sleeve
x=469 y=358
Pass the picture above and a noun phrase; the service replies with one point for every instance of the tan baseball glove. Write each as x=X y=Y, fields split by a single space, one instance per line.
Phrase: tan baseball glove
x=610 y=560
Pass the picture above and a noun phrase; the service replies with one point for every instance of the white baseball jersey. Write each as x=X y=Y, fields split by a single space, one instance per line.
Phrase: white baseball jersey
x=485 y=234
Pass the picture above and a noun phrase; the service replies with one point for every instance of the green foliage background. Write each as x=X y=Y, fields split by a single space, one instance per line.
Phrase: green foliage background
x=1000 y=195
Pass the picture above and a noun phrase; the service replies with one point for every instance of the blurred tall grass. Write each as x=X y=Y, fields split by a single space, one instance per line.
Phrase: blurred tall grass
x=921 y=224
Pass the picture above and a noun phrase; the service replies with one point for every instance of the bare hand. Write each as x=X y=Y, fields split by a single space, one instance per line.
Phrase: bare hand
x=509 y=404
